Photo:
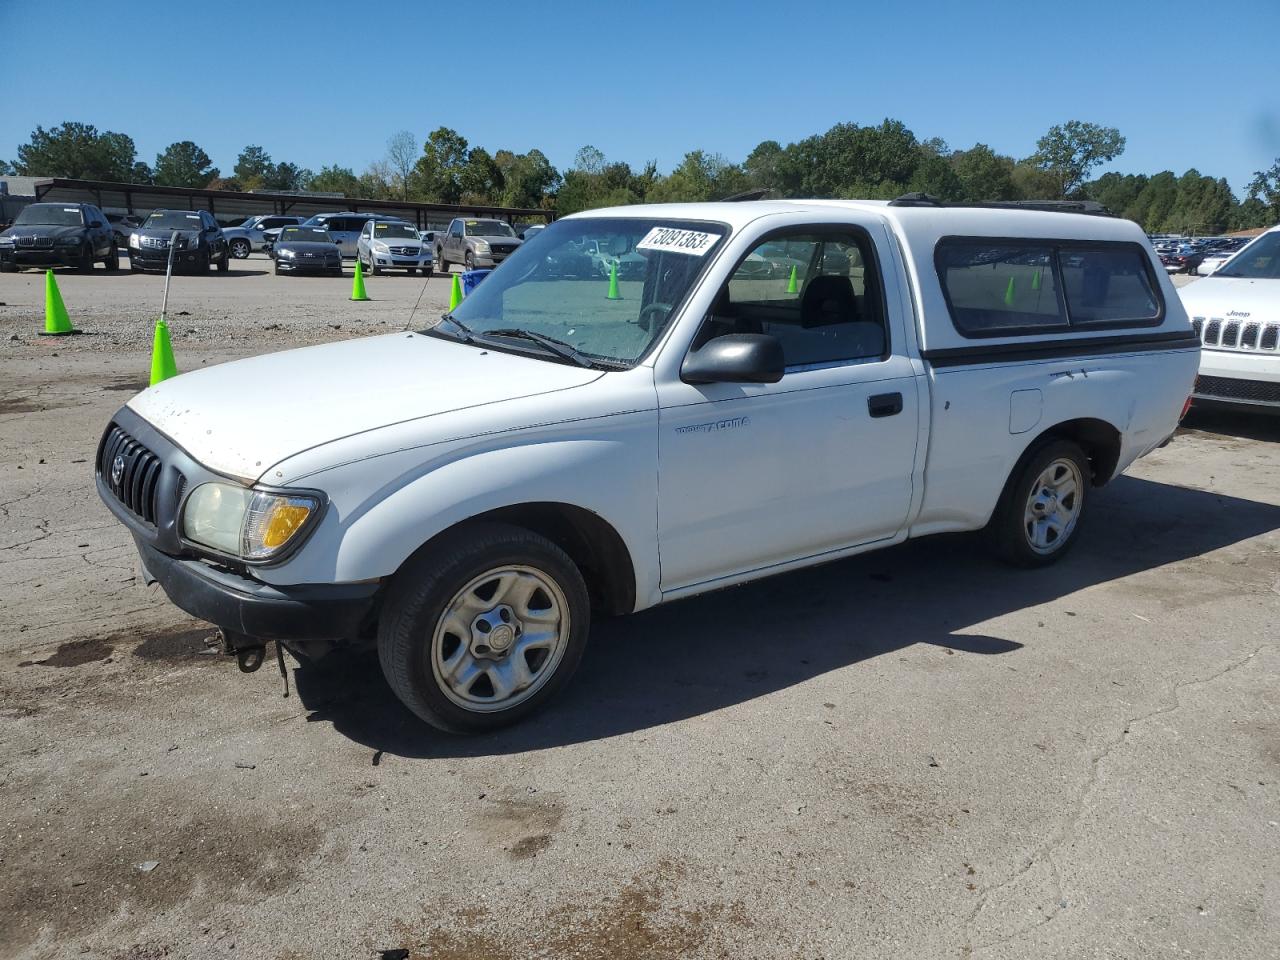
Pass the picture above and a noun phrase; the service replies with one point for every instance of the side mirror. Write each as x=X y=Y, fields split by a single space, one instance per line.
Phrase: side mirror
x=95 y=224
x=735 y=358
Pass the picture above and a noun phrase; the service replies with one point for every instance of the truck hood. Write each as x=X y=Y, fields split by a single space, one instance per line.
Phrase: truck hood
x=1244 y=298
x=243 y=417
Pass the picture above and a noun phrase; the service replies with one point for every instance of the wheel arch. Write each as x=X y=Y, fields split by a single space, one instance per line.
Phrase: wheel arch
x=591 y=542
x=1100 y=440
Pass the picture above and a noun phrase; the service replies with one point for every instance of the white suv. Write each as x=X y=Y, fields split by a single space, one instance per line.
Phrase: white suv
x=1236 y=311
x=465 y=496
x=393 y=245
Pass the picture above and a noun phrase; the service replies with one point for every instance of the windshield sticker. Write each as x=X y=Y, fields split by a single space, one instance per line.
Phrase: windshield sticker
x=193 y=216
x=70 y=209
x=671 y=240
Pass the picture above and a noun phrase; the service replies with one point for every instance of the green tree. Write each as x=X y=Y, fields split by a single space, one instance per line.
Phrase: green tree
x=252 y=168
x=437 y=173
x=763 y=165
x=77 y=151
x=700 y=176
x=335 y=179
x=6 y=170
x=480 y=179
x=1033 y=182
x=184 y=164
x=285 y=176
x=1249 y=214
x=1155 y=202
x=527 y=178
x=984 y=174
x=1118 y=192
x=1071 y=150
x=1265 y=187
x=141 y=173
x=935 y=176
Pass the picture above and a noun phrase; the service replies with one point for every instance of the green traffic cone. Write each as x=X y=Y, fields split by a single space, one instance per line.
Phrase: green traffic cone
x=56 y=321
x=162 y=363
x=613 y=282
x=1008 y=294
x=455 y=295
x=792 y=285
x=357 y=285
x=1035 y=280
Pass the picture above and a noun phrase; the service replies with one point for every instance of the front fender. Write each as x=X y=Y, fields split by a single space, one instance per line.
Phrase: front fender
x=384 y=508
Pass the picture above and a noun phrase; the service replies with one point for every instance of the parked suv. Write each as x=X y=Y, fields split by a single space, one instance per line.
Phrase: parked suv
x=59 y=234
x=465 y=496
x=392 y=245
x=200 y=243
x=123 y=224
x=345 y=228
x=1236 y=312
x=247 y=237
x=475 y=243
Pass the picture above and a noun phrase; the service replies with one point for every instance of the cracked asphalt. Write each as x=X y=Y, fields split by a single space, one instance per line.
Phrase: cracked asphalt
x=913 y=753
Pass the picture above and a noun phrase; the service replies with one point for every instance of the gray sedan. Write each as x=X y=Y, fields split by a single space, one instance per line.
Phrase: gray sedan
x=306 y=250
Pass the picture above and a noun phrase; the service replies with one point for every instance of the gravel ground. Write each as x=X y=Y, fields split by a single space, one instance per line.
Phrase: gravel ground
x=913 y=753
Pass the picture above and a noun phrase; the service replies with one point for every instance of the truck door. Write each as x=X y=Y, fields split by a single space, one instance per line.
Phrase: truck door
x=753 y=475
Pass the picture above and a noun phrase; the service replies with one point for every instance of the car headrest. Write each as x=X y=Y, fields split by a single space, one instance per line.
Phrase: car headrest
x=828 y=300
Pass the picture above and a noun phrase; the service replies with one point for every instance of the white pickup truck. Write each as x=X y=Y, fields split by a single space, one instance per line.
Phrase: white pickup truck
x=465 y=496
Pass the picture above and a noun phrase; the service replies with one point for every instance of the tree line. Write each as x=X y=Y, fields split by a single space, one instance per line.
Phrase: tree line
x=849 y=160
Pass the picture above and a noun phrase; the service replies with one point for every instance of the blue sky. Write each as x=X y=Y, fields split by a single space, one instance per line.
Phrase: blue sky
x=318 y=82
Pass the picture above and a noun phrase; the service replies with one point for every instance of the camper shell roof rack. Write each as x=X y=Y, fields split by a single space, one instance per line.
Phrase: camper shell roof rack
x=1091 y=207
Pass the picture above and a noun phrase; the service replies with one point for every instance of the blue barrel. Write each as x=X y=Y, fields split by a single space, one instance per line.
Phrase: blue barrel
x=471 y=279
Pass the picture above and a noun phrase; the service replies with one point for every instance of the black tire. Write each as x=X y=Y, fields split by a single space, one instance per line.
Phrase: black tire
x=374 y=269
x=8 y=267
x=441 y=263
x=112 y=260
x=1008 y=531
x=277 y=268
x=469 y=261
x=422 y=590
x=134 y=268
x=224 y=265
x=85 y=263
x=411 y=271
x=203 y=262
x=240 y=248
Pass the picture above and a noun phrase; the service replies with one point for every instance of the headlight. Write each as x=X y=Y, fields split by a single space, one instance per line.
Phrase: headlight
x=286 y=253
x=135 y=241
x=482 y=246
x=68 y=241
x=250 y=524
x=379 y=246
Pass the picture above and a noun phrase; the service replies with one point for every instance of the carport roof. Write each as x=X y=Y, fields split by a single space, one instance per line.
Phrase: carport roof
x=224 y=203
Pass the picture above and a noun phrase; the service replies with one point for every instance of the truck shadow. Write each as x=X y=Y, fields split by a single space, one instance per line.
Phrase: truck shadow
x=1246 y=426
x=703 y=654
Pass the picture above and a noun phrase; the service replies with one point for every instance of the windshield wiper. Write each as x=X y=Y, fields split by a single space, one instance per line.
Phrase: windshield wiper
x=561 y=349
x=464 y=331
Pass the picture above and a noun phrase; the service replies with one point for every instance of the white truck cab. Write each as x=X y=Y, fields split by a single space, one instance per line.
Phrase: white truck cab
x=466 y=495
x=1236 y=312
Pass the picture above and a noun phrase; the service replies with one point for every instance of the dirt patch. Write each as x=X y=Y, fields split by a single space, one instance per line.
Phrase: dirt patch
x=176 y=644
x=637 y=923
x=127 y=386
x=74 y=654
x=523 y=828
x=19 y=405
x=79 y=862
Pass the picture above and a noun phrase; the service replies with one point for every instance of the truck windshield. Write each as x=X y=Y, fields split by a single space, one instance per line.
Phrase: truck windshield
x=1259 y=261
x=605 y=286
x=172 y=220
x=51 y=214
x=488 y=228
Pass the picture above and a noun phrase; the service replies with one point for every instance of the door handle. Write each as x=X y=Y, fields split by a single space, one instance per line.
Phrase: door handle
x=884 y=404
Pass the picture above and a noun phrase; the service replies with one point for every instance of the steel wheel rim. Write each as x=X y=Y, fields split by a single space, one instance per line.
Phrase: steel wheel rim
x=1053 y=506
x=239 y=249
x=500 y=639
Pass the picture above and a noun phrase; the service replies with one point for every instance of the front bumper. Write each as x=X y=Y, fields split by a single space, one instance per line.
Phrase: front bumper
x=1239 y=380
x=239 y=604
x=159 y=259
x=40 y=256
x=309 y=266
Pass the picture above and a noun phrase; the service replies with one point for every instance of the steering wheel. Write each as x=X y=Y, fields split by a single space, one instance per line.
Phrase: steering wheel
x=651 y=308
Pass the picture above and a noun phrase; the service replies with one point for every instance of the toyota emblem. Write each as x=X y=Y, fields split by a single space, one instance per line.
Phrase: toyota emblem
x=117 y=470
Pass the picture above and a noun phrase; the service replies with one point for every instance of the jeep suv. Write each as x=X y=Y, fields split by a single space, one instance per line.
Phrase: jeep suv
x=59 y=234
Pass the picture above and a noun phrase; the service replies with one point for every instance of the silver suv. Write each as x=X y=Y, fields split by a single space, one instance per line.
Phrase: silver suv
x=393 y=245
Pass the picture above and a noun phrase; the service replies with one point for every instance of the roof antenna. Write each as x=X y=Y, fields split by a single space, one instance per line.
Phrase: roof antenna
x=419 y=300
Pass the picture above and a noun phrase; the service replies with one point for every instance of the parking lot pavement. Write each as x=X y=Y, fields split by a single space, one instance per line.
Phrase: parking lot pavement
x=912 y=753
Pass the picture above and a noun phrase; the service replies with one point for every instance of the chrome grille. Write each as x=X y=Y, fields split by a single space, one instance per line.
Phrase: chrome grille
x=40 y=243
x=1253 y=335
x=404 y=251
x=139 y=474
x=159 y=243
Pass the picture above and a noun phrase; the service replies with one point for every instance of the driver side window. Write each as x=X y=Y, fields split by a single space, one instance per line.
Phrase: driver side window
x=817 y=290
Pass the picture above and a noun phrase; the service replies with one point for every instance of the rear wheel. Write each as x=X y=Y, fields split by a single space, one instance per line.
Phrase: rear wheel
x=203 y=262
x=85 y=263
x=469 y=261
x=112 y=260
x=441 y=263
x=484 y=629
x=1040 y=511
x=225 y=263
x=240 y=248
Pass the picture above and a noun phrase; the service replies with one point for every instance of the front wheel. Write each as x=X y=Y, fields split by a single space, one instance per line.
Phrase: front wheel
x=240 y=248
x=484 y=629
x=112 y=260
x=85 y=262
x=1039 y=514
x=224 y=264
x=469 y=262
